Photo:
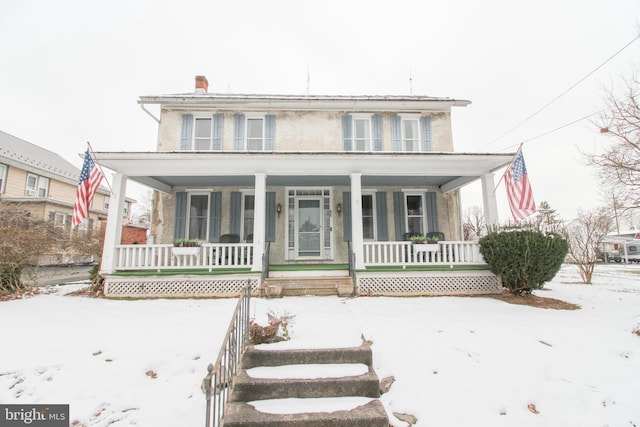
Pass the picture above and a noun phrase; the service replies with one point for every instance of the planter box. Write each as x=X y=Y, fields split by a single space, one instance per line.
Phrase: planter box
x=425 y=247
x=193 y=250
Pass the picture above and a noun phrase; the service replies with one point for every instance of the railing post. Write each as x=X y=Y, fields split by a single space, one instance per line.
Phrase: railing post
x=206 y=388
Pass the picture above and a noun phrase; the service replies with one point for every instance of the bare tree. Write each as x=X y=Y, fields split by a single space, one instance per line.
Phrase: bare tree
x=619 y=164
x=474 y=224
x=584 y=235
x=22 y=240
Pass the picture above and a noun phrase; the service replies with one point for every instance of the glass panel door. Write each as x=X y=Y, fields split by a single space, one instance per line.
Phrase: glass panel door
x=309 y=227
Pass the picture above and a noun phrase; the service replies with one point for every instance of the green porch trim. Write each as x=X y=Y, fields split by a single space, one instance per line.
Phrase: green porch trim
x=462 y=267
x=178 y=272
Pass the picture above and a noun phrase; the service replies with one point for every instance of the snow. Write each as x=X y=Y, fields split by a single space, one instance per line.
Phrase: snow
x=300 y=406
x=309 y=371
x=456 y=360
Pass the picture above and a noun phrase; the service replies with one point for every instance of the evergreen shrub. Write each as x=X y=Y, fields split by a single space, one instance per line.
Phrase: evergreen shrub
x=524 y=259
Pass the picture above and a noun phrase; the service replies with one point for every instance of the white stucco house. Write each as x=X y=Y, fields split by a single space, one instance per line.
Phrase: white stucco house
x=276 y=187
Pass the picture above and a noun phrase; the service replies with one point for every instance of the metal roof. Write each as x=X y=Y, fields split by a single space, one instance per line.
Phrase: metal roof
x=25 y=155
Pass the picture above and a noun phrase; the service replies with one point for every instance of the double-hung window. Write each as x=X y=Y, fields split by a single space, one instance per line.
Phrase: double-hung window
x=255 y=133
x=37 y=186
x=368 y=217
x=416 y=217
x=3 y=177
x=248 y=206
x=410 y=134
x=202 y=133
x=361 y=133
x=197 y=216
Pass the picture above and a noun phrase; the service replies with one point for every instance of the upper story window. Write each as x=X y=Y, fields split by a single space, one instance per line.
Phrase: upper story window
x=107 y=199
x=411 y=132
x=254 y=132
x=37 y=186
x=362 y=132
x=202 y=132
x=3 y=177
x=410 y=135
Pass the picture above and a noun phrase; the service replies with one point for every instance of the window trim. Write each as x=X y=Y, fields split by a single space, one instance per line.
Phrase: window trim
x=187 y=219
x=4 y=170
x=243 y=195
x=254 y=116
x=423 y=202
x=374 y=216
x=418 y=140
x=354 y=118
x=35 y=191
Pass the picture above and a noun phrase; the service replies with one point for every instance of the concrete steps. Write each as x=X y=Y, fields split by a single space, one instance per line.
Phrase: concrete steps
x=249 y=389
x=309 y=285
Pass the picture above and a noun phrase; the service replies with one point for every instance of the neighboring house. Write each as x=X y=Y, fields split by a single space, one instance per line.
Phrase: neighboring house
x=623 y=247
x=44 y=184
x=292 y=180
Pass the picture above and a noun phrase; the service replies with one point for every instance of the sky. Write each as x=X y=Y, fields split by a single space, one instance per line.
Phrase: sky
x=72 y=71
x=456 y=360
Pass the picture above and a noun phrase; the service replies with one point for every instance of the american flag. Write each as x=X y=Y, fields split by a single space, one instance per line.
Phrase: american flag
x=90 y=179
x=519 y=191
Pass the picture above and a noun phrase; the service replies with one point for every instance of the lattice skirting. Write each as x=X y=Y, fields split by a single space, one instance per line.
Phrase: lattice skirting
x=429 y=283
x=178 y=286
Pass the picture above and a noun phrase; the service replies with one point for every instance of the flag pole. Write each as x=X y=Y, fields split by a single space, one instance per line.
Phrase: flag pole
x=93 y=154
x=510 y=164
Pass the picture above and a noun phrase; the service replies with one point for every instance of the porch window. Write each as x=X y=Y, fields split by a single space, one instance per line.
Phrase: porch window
x=37 y=186
x=3 y=177
x=60 y=220
x=198 y=215
x=248 y=202
x=415 y=213
x=368 y=217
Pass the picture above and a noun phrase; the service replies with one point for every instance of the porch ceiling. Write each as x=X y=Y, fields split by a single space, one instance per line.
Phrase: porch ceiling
x=164 y=170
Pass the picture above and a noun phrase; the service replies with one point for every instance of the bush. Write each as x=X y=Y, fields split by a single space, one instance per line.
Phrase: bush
x=524 y=259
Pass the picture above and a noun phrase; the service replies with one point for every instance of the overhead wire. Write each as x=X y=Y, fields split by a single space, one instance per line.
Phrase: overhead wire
x=561 y=95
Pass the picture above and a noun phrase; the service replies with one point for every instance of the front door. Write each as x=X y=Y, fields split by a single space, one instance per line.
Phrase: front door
x=309 y=227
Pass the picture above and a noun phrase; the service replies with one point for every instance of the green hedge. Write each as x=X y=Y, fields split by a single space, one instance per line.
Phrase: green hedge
x=524 y=259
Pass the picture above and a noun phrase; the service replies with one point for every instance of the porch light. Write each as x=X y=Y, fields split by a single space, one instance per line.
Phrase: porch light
x=278 y=209
x=339 y=208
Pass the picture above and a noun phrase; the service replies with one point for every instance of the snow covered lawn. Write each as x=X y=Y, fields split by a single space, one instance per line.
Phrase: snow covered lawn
x=456 y=361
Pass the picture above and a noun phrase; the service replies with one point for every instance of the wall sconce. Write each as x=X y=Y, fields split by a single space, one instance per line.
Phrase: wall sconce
x=278 y=209
x=339 y=209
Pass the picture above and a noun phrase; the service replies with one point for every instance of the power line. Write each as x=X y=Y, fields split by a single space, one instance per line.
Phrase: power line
x=553 y=130
x=561 y=95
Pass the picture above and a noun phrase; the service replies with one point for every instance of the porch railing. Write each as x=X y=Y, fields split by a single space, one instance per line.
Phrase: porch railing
x=406 y=253
x=165 y=257
x=217 y=384
x=214 y=256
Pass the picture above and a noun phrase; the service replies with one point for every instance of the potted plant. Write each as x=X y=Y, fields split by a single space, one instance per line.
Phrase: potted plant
x=423 y=244
x=418 y=239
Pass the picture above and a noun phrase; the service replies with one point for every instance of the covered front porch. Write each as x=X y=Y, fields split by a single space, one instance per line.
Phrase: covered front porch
x=355 y=209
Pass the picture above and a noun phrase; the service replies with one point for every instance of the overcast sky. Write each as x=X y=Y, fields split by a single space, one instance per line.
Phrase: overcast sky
x=72 y=71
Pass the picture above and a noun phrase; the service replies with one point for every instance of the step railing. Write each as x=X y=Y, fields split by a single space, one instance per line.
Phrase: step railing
x=216 y=385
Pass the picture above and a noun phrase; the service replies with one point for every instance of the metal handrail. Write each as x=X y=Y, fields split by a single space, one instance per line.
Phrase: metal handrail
x=216 y=385
x=351 y=255
x=265 y=263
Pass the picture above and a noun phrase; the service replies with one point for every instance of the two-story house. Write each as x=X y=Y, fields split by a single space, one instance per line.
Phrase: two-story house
x=44 y=184
x=268 y=183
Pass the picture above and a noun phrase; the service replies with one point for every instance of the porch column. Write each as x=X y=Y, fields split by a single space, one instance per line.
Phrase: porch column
x=357 y=240
x=259 y=220
x=489 y=203
x=113 y=231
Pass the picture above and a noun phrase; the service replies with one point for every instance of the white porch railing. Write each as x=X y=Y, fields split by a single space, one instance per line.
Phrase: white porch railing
x=405 y=253
x=213 y=256
x=165 y=257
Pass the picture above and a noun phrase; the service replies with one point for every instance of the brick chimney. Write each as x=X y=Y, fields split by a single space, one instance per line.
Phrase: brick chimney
x=202 y=85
